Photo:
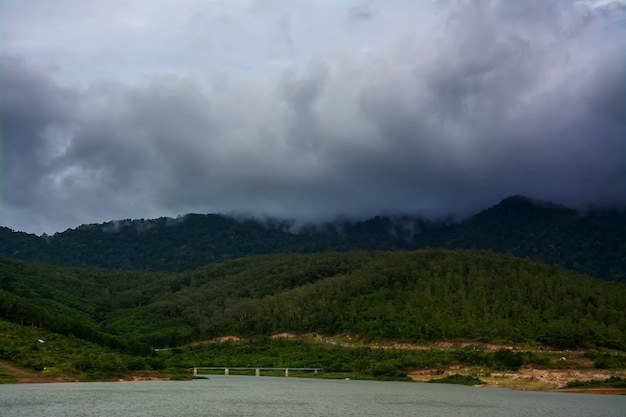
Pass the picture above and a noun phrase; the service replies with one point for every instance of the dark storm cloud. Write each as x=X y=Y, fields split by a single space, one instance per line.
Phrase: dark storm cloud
x=34 y=115
x=482 y=101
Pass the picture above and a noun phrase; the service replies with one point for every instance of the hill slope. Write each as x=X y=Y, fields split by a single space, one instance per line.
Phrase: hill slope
x=408 y=296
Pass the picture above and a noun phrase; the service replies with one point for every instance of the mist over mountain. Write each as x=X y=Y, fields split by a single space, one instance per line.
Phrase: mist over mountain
x=590 y=242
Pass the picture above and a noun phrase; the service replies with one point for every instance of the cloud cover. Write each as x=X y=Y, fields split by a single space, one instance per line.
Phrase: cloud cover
x=307 y=110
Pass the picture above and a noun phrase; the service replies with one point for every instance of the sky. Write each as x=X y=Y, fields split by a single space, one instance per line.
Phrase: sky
x=306 y=110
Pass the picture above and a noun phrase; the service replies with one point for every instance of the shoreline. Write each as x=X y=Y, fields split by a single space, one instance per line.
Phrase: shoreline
x=526 y=379
x=502 y=383
x=530 y=379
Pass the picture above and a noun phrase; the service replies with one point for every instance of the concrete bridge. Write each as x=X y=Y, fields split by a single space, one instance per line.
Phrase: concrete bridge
x=257 y=370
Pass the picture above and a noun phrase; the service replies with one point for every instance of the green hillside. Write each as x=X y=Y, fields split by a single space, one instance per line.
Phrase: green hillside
x=410 y=297
x=433 y=295
x=43 y=355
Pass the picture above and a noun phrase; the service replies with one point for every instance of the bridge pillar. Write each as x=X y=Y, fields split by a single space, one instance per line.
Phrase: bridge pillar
x=195 y=372
x=225 y=371
x=286 y=372
x=257 y=373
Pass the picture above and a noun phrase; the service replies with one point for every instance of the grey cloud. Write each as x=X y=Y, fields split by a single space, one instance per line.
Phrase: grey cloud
x=495 y=100
x=362 y=12
x=34 y=112
x=301 y=93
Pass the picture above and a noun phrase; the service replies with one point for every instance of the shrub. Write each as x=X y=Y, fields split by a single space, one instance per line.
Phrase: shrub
x=458 y=379
x=505 y=359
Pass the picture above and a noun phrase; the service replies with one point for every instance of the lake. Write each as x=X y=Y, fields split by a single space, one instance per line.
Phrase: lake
x=277 y=396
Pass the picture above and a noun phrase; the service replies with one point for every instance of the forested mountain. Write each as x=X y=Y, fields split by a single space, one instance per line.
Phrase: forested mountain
x=592 y=243
x=192 y=241
x=406 y=296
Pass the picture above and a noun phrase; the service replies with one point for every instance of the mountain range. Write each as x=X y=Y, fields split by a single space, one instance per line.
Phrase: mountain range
x=153 y=295
x=591 y=242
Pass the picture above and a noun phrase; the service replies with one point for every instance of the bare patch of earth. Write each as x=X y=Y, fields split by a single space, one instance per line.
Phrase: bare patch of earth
x=229 y=338
x=284 y=334
x=145 y=378
x=14 y=369
x=528 y=378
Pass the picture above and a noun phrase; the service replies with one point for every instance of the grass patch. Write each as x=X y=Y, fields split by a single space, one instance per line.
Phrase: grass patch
x=6 y=377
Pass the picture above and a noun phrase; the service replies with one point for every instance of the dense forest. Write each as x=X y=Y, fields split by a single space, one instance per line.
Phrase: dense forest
x=590 y=243
x=405 y=296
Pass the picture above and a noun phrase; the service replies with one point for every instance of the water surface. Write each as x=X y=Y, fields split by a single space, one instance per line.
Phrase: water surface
x=272 y=396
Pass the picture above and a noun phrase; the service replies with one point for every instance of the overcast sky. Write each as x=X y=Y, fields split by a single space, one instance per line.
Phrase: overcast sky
x=306 y=109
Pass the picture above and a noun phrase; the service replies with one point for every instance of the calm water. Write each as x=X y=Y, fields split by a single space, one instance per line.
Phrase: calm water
x=267 y=396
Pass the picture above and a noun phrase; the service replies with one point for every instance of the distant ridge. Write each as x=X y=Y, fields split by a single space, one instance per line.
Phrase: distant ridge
x=592 y=243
